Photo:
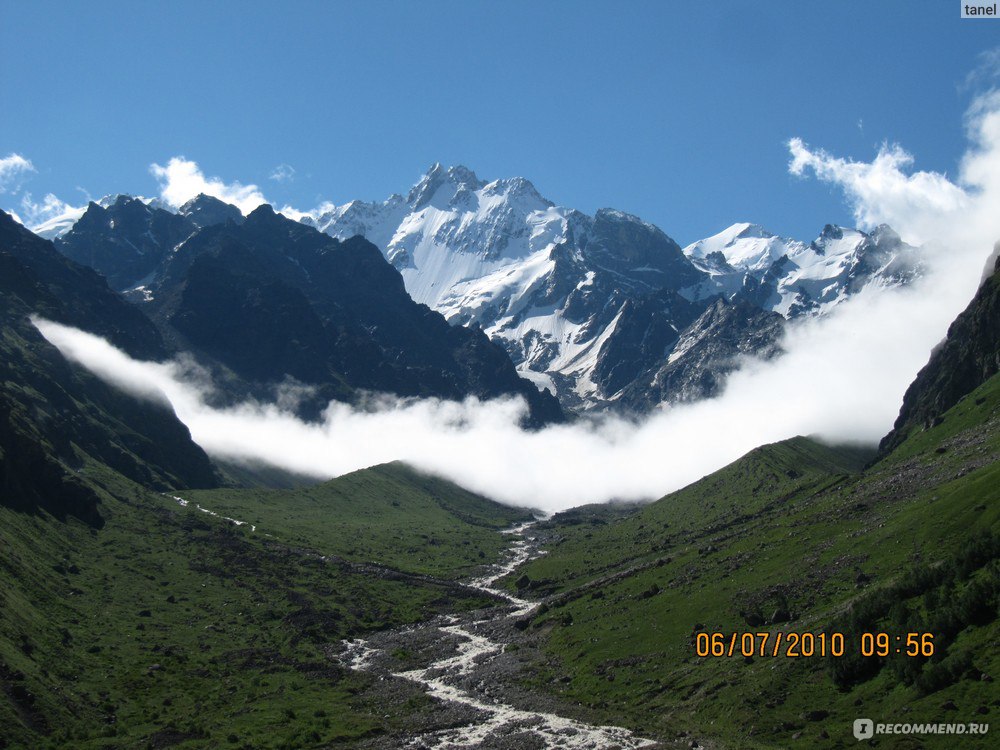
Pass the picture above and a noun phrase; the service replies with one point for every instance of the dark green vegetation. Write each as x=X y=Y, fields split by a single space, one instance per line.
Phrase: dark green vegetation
x=796 y=537
x=168 y=627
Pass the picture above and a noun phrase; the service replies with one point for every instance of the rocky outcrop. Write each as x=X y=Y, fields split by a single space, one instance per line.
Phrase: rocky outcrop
x=968 y=356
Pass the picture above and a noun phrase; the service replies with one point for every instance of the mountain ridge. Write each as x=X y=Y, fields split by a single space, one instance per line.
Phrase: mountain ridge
x=562 y=291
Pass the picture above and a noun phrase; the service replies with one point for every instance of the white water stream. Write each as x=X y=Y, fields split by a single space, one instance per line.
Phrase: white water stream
x=475 y=650
x=184 y=503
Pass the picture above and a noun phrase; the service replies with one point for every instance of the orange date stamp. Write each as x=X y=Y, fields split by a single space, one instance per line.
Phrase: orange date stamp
x=794 y=644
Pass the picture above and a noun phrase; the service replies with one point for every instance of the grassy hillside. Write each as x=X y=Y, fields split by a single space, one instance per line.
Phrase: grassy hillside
x=170 y=627
x=389 y=514
x=791 y=537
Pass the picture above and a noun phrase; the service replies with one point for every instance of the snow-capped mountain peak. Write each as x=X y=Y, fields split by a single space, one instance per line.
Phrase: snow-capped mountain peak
x=568 y=295
x=439 y=186
x=57 y=226
x=204 y=210
x=744 y=246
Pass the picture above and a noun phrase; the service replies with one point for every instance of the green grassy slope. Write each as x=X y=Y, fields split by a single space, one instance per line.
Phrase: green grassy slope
x=760 y=482
x=787 y=539
x=168 y=627
x=390 y=514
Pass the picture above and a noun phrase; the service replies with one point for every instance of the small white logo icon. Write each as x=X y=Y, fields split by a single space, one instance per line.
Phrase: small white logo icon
x=864 y=729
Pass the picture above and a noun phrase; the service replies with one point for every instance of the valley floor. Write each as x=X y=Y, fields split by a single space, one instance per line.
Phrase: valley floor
x=471 y=662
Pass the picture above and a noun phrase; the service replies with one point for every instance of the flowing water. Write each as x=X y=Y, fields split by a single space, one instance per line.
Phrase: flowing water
x=456 y=677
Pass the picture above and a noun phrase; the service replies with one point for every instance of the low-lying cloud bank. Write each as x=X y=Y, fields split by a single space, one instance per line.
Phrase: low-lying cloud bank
x=480 y=445
x=842 y=378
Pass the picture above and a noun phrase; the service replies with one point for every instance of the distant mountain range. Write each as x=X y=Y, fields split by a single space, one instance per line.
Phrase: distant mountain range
x=603 y=311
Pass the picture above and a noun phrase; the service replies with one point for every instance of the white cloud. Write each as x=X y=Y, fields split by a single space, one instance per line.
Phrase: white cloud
x=283 y=173
x=881 y=191
x=958 y=220
x=48 y=217
x=182 y=179
x=842 y=377
x=312 y=215
x=13 y=168
x=842 y=380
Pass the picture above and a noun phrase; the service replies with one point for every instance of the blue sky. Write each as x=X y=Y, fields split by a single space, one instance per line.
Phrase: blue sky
x=677 y=112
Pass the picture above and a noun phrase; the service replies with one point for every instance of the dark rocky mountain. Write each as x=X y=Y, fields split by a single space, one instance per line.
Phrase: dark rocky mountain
x=968 y=357
x=648 y=328
x=204 y=211
x=126 y=241
x=270 y=299
x=273 y=298
x=56 y=417
x=640 y=253
x=77 y=295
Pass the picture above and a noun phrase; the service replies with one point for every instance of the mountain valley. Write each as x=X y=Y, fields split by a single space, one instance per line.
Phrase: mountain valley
x=154 y=596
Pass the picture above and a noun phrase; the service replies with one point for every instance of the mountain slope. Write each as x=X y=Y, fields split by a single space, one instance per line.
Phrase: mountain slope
x=788 y=539
x=705 y=353
x=271 y=297
x=267 y=299
x=55 y=416
x=125 y=241
x=75 y=295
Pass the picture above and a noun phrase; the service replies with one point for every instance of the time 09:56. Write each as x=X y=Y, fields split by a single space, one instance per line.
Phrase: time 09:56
x=910 y=644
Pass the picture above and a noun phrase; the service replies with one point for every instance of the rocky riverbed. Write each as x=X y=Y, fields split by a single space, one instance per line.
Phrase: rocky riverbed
x=464 y=663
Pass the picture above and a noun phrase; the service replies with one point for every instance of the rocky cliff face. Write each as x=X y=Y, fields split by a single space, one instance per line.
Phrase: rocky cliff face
x=705 y=353
x=77 y=295
x=968 y=356
x=272 y=298
x=126 y=241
